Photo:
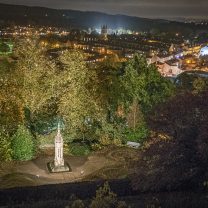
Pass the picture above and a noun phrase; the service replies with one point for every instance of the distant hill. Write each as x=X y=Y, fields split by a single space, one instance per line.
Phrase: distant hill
x=17 y=14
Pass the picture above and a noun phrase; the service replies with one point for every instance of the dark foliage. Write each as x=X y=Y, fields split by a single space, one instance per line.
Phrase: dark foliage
x=83 y=190
x=65 y=195
x=180 y=160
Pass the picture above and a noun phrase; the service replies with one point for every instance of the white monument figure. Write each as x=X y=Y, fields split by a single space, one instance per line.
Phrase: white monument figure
x=58 y=165
x=59 y=160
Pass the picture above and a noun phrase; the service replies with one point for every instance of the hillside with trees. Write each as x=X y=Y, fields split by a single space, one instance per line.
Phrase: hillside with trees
x=96 y=104
x=24 y=15
x=104 y=106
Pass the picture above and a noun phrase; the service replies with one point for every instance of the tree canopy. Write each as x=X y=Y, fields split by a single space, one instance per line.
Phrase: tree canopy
x=143 y=83
x=103 y=103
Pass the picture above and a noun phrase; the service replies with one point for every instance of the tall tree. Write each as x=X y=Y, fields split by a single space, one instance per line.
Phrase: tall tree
x=62 y=89
x=111 y=125
x=36 y=73
x=11 y=108
x=36 y=78
x=5 y=147
x=77 y=101
x=141 y=88
x=143 y=82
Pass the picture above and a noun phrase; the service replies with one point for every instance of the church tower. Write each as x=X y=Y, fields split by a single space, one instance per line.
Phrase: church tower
x=104 y=32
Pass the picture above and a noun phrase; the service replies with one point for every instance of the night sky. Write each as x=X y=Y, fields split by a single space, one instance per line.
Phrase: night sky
x=142 y=8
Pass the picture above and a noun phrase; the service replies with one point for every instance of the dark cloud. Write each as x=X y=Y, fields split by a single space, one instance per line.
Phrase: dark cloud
x=145 y=8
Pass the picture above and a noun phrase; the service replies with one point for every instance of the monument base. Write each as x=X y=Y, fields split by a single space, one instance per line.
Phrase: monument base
x=57 y=169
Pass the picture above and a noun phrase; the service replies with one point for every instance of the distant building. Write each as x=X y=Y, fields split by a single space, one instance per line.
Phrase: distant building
x=169 y=68
x=172 y=49
x=159 y=58
x=204 y=51
x=104 y=32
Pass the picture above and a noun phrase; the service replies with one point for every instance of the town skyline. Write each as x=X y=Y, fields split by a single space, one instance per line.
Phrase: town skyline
x=149 y=9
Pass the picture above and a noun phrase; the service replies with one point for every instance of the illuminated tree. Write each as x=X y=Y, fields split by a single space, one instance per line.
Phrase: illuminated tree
x=5 y=147
x=36 y=78
x=36 y=74
x=143 y=83
x=75 y=92
x=11 y=108
x=141 y=88
x=63 y=89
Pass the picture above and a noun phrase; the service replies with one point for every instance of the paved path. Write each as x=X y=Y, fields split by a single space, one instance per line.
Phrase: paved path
x=81 y=166
x=35 y=172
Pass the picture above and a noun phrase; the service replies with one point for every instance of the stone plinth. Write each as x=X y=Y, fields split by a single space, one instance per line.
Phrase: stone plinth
x=52 y=168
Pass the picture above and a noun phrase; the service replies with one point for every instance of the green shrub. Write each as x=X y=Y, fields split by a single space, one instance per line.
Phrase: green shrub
x=5 y=148
x=137 y=135
x=105 y=198
x=22 y=144
x=79 y=149
x=105 y=140
x=78 y=204
x=46 y=139
x=4 y=48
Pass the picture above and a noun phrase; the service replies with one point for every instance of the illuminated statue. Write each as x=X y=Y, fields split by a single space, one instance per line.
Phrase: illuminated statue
x=58 y=165
x=59 y=160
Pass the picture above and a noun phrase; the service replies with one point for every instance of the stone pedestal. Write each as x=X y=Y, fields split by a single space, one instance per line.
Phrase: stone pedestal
x=52 y=168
